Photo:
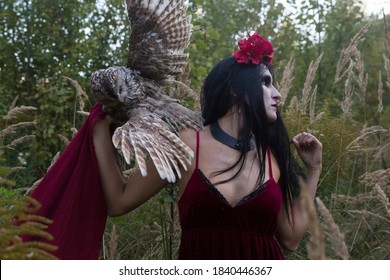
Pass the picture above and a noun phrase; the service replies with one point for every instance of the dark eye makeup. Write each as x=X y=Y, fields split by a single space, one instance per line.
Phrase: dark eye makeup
x=266 y=80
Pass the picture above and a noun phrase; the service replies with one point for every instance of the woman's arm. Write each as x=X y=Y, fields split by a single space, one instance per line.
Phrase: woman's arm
x=121 y=197
x=289 y=233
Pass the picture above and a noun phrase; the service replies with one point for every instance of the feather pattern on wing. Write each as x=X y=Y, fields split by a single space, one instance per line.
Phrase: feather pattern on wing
x=136 y=94
x=161 y=31
x=166 y=150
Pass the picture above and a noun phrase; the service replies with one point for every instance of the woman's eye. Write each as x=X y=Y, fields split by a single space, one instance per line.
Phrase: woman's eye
x=266 y=81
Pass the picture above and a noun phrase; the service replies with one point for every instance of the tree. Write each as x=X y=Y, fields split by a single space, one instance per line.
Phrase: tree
x=219 y=25
x=41 y=42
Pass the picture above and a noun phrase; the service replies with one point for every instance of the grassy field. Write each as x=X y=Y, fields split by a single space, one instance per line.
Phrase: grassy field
x=350 y=218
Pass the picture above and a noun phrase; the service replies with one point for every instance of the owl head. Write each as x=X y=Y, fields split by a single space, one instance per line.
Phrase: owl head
x=118 y=89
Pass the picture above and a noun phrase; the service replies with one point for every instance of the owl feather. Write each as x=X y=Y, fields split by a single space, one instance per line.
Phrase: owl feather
x=135 y=94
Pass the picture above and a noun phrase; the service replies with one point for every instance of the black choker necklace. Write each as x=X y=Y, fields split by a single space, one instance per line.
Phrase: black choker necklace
x=230 y=141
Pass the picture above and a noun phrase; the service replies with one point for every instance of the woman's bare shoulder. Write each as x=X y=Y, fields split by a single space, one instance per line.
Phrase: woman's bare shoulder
x=188 y=136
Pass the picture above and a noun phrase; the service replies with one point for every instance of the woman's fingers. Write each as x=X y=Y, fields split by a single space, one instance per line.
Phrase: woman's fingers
x=309 y=149
x=305 y=141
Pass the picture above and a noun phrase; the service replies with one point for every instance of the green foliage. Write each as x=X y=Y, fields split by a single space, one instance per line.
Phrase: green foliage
x=16 y=221
x=149 y=232
x=217 y=30
x=41 y=42
x=15 y=137
x=335 y=134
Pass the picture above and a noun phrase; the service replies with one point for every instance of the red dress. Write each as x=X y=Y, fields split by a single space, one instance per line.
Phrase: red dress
x=213 y=229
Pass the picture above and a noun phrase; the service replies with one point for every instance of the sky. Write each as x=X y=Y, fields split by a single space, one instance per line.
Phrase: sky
x=370 y=6
x=376 y=6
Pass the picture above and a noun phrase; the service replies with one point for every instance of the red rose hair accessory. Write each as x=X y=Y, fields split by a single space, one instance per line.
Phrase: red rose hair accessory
x=255 y=49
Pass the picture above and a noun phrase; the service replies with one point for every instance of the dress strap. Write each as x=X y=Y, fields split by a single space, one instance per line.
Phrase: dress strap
x=269 y=162
x=197 y=149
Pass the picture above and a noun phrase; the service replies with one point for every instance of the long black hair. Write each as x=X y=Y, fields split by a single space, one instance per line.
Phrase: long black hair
x=230 y=83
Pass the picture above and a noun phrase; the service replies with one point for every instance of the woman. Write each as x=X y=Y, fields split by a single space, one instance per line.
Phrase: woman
x=238 y=198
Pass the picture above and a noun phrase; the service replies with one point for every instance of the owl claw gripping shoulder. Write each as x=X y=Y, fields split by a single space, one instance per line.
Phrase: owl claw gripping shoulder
x=134 y=95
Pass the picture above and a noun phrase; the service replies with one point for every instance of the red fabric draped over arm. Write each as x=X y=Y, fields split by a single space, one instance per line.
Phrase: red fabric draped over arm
x=71 y=196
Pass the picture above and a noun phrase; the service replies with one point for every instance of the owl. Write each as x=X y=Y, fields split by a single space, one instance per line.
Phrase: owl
x=136 y=94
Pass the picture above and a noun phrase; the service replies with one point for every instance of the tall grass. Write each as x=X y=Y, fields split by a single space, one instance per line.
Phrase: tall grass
x=350 y=218
x=17 y=217
x=358 y=203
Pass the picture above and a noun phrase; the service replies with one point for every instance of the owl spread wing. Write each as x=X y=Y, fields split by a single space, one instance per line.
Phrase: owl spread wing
x=135 y=94
x=161 y=31
x=146 y=134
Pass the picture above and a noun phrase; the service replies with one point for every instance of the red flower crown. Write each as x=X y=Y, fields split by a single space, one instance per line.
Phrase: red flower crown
x=255 y=49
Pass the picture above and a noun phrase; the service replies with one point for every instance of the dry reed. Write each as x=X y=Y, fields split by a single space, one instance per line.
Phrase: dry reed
x=15 y=169
x=387 y=68
x=380 y=93
x=17 y=111
x=293 y=107
x=110 y=251
x=64 y=139
x=311 y=73
x=383 y=148
x=74 y=130
x=368 y=214
x=346 y=103
x=387 y=34
x=316 y=244
x=333 y=232
x=357 y=145
x=312 y=106
x=382 y=197
x=347 y=53
x=13 y=104
x=286 y=82
x=36 y=183
x=80 y=93
x=82 y=113
x=381 y=177
x=357 y=199
x=362 y=77
x=13 y=127
x=20 y=140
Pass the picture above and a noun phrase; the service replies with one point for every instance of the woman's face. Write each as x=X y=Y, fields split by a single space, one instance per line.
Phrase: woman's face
x=271 y=96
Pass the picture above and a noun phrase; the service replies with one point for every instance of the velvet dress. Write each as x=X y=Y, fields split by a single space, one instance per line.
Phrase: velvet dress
x=214 y=229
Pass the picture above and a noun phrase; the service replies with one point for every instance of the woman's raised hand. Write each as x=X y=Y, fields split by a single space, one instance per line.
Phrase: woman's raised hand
x=309 y=150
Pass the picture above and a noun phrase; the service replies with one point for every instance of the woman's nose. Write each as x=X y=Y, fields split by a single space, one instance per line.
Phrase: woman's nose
x=276 y=94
